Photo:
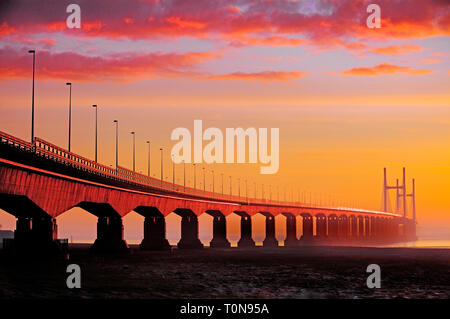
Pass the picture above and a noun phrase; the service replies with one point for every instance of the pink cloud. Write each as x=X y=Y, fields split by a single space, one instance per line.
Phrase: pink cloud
x=123 y=67
x=383 y=69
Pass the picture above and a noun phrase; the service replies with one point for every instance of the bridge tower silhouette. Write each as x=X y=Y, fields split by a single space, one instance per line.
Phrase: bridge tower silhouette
x=401 y=203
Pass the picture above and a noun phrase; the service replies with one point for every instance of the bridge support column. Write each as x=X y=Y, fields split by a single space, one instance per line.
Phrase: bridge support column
x=367 y=227
x=353 y=227
x=343 y=227
x=109 y=236
x=373 y=227
x=307 y=227
x=321 y=226
x=154 y=234
x=22 y=234
x=270 y=240
x=154 y=229
x=333 y=226
x=36 y=235
x=246 y=231
x=360 y=222
x=291 y=230
x=409 y=227
x=189 y=232
x=394 y=229
x=219 y=232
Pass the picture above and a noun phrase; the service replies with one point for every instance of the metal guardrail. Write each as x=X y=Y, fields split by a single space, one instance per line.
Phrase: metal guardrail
x=55 y=153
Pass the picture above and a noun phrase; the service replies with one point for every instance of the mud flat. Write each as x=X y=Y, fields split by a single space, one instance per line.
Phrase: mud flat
x=303 y=272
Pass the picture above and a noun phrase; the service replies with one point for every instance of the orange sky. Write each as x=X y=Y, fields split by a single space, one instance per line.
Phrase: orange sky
x=348 y=100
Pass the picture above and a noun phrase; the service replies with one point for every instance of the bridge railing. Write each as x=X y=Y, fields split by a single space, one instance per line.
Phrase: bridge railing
x=55 y=153
x=15 y=142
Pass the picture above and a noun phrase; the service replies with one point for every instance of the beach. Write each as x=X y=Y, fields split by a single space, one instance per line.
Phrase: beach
x=299 y=273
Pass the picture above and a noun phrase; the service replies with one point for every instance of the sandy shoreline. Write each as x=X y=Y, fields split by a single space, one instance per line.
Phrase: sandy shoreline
x=306 y=272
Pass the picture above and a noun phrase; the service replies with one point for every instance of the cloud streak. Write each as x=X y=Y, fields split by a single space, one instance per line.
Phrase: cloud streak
x=384 y=69
x=119 y=67
x=247 y=22
x=265 y=76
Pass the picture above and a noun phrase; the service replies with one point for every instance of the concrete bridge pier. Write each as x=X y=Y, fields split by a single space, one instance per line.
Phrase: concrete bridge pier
x=246 y=239
x=382 y=234
x=394 y=228
x=291 y=230
x=409 y=229
x=308 y=232
x=109 y=228
x=333 y=225
x=154 y=229
x=321 y=226
x=270 y=240
x=360 y=222
x=109 y=236
x=35 y=232
x=22 y=234
x=189 y=230
x=219 y=230
x=373 y=227
x=353 y=227
x=343 y=227
x=367 y=227
x=36 y=235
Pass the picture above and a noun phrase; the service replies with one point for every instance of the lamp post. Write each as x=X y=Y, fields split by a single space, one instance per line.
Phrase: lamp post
x=204 y=179
x=161 y=165
x=148 y=163
x=94 y=106
x=134 y=151
x=195 y=177
x=117 y=143
x=246 y=190
x=239 y=188
x=32 y=97
x=173 y=173
x=70 y=110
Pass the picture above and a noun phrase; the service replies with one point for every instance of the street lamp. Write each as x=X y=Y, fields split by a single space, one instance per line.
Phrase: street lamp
x=204 y=179
x=161 y=165
x=117 y=143
x=173 y=173
x=195 y=177
x=32 y=97
x=94 y=106
x=184 y=175
x=148 y=165
x=246 y=190
x=239 y=188
x=134 y=151
x=70 y=110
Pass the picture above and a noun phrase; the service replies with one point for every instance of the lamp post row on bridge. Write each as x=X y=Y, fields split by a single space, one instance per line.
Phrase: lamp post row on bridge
x=33 y=52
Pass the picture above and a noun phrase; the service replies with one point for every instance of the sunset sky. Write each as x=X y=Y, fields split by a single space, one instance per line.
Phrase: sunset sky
x=348 y=100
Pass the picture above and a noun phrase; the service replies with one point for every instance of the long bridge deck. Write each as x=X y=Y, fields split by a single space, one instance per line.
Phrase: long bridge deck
x=40 y=181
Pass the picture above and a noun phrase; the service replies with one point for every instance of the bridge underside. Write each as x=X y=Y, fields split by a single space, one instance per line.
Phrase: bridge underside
x=37 y=197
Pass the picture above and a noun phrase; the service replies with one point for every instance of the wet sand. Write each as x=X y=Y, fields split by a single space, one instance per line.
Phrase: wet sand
x=306 y=272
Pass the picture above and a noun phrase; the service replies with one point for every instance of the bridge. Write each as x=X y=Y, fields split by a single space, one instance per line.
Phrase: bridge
x=40 y=181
